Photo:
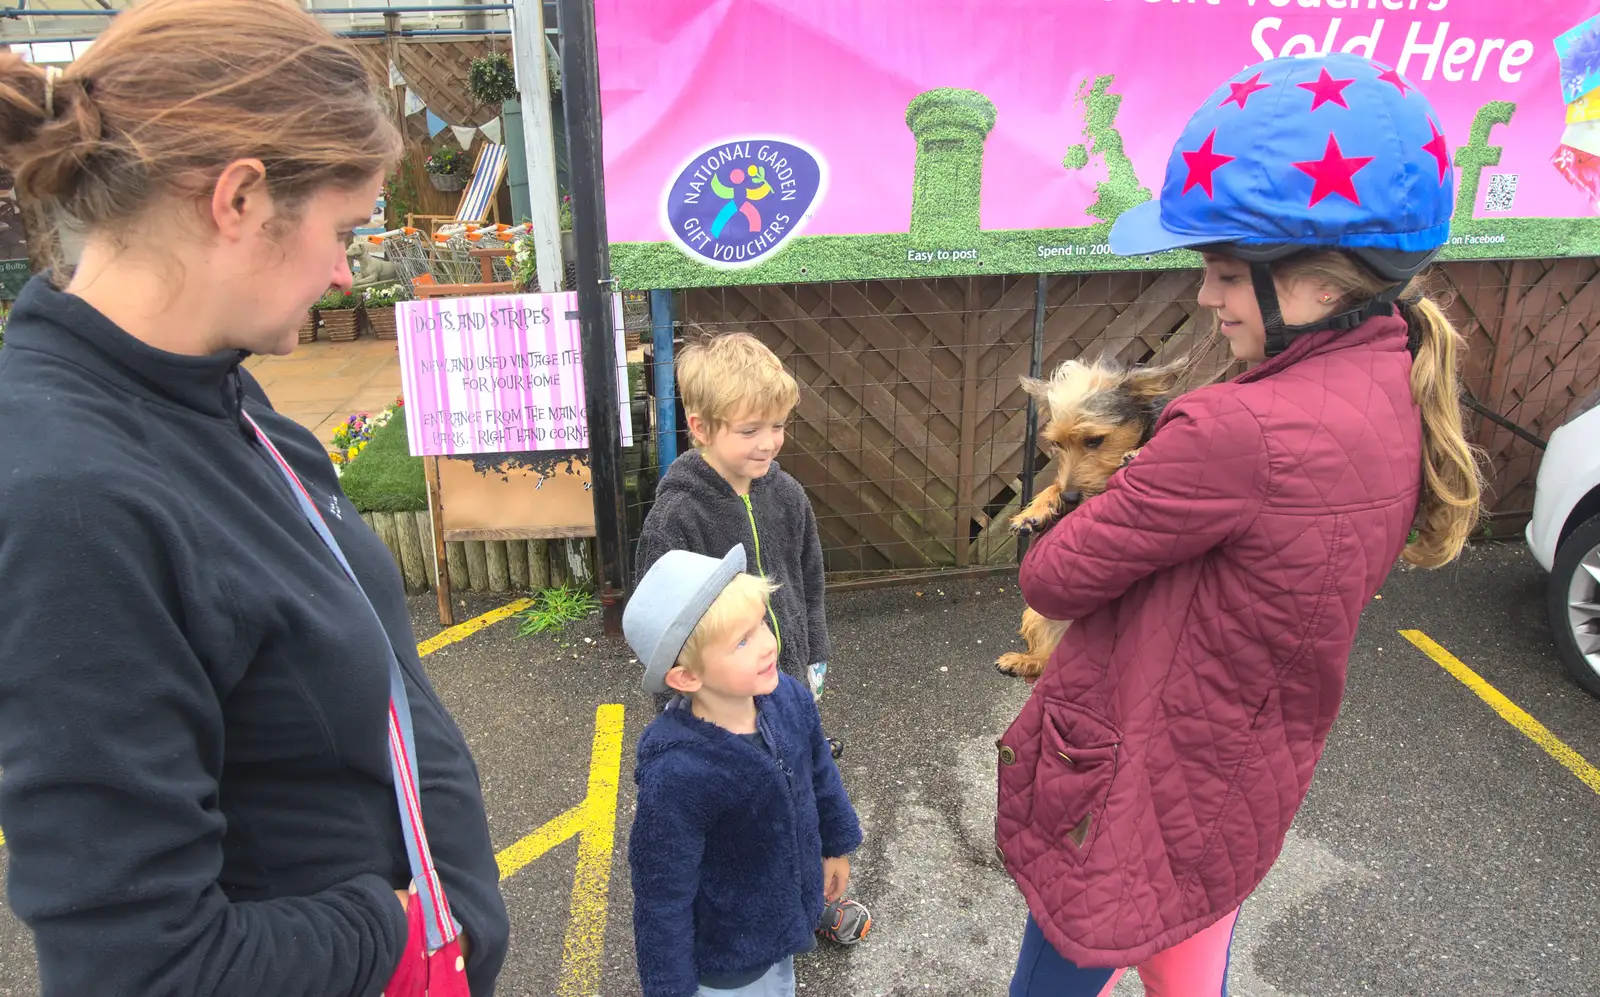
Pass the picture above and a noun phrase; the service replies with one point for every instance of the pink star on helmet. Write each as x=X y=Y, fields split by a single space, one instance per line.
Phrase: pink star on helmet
x=1334 y=173
x=1327 y=90
x=1202 y=164
x=1438 y=148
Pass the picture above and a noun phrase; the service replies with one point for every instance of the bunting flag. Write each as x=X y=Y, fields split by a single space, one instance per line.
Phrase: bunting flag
x=491 y=130
x=464 y=136
x=413 y=103
x=396 y=79
x=436 y=124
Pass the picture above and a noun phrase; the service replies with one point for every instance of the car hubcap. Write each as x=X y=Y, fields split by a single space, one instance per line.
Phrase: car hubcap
x=1583 y=608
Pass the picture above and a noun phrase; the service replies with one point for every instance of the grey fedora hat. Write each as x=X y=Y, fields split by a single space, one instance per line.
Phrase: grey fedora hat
x=668 y=603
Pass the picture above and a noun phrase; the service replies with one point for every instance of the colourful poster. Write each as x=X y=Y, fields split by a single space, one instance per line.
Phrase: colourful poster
x=499 y=374
x=768 y=141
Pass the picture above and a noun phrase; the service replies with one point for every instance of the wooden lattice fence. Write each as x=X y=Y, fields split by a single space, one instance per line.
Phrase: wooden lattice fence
x=911 y=421
x=1533 y=352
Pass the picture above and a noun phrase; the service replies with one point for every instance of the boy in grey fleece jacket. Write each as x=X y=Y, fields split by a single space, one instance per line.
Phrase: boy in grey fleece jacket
x=730 y=492
x=698 y=510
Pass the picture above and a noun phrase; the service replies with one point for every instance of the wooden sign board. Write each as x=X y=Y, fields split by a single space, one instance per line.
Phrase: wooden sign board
x=510 y=497
x=495 y=404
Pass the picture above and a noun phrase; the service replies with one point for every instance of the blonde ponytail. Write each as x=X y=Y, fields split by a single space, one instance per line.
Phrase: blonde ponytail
x=1452 y=483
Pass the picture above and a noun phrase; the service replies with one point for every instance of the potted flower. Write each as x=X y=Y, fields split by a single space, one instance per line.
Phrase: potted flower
x=377 y=304
x=447 y=169
x=339 y=311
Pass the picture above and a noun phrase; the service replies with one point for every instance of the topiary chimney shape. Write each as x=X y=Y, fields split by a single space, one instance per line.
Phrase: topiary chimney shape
x=950 y=126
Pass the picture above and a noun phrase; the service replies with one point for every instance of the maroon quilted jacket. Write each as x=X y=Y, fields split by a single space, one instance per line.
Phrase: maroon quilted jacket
x=1147 y=786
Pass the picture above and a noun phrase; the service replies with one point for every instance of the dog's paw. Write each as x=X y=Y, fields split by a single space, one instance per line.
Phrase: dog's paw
x=1032 y=522
x=1127 y=458
x=1019 y=666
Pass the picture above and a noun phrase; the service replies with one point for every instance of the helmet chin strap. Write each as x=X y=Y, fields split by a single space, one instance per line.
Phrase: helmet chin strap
x=1279 y=335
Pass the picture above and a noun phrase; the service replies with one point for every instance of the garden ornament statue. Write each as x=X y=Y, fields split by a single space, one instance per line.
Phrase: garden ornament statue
x=368 y=269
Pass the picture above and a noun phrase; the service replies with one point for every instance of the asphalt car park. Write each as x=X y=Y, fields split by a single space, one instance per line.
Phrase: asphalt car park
x=1447 y=846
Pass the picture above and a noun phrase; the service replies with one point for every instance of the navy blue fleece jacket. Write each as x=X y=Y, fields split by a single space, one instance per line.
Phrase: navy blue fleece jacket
x=728 y=841
x=697 y=510
x=193 y=696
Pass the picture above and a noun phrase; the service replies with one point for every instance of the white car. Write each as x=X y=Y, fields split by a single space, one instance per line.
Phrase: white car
x=1564 y=536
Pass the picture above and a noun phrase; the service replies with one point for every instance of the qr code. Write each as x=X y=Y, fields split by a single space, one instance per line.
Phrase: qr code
x=1502 y=192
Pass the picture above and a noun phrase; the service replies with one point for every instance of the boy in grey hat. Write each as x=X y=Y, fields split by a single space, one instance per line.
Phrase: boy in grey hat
x=743 y=827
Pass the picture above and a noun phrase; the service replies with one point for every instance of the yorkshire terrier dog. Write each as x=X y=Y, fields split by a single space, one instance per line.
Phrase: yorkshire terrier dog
x=1098 y=416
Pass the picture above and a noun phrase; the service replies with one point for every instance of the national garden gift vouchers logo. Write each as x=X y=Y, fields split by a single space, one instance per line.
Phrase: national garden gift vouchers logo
x=735 y=203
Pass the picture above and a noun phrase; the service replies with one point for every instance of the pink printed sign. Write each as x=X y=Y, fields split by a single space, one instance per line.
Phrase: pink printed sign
x=498 y=374
x=764 y=141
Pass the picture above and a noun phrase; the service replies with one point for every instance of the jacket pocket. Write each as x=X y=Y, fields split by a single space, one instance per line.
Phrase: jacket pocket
x=1072 y=782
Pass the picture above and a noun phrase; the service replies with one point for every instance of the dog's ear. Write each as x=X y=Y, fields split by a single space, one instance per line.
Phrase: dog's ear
x=1037 y=389
x=1148 y=384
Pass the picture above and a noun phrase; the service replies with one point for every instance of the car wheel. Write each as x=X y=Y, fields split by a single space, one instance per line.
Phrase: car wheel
x=1575 y=604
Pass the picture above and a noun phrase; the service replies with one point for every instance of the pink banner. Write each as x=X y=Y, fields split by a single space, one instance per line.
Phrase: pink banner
x=498 y=374
x=898 y=138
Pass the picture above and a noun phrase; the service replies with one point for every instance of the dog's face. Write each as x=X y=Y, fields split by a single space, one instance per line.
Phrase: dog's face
x=1096 y=413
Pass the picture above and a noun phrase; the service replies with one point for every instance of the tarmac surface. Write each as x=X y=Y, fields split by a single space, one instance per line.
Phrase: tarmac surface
x=1441 y=851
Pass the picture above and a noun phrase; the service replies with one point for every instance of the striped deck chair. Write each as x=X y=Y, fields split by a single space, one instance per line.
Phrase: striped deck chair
x=478 y=200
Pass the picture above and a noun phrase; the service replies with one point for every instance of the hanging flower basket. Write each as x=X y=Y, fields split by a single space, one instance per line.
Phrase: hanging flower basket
x=308 y=327
x=447 y=169
x=491 y=79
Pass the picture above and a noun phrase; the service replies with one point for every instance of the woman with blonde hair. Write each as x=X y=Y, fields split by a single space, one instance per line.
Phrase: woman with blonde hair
x=1216 y=585
x=225 y=771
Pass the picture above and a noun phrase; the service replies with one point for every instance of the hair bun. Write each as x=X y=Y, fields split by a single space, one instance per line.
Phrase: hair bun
x=48 y=128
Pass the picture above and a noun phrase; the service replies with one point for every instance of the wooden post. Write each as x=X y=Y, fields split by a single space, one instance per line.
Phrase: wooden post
x=517 y=564
x=538 y=565
x=430 y=548
x=441 y=576
x=477 y=566
x=971 y=350
x=411 y=559
x=533 y=84
x=457 y=558
x=499 y=572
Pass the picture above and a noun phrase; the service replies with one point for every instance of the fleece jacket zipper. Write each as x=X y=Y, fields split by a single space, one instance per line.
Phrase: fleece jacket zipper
x=750 y=510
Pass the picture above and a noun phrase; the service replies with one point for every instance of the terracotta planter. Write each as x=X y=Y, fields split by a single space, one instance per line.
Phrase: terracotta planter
x=341 y=325
x=447 y=182
x=308 y=328
x=380 y=322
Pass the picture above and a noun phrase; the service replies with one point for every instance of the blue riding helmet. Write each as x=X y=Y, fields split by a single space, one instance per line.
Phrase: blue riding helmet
x=1299 y=153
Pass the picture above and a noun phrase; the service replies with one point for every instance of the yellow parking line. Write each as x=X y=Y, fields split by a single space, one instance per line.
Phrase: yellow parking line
x=463 y=630
x=593 y=822
x=1513 y=714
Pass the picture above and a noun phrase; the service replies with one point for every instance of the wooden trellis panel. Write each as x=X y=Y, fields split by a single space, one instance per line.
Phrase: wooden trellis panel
x=1532 y=354
x=437 y=72
x=909 y=432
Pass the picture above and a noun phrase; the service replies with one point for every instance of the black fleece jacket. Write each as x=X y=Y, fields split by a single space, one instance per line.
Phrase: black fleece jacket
x=196 y=793
x=697 y=510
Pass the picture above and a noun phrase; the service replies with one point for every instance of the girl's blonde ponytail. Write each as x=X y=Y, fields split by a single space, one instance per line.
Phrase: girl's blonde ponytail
x=1452 y=484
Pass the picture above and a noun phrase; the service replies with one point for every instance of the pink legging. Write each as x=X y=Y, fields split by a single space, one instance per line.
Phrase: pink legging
x=1196 y=967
